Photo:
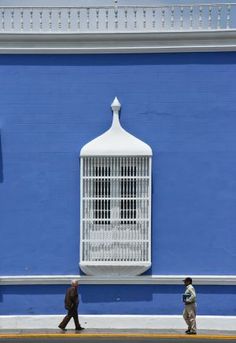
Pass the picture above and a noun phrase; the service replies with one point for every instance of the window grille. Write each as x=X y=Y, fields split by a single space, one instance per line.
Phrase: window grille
x=115 y=214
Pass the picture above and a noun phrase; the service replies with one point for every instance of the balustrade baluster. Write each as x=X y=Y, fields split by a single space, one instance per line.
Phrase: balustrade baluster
x=116 y=17
x=50 y=20
x=107 y=19
x=59 y=20
x=78 y=20
x=69 y=19
x=209 y=17
x=31 y=20
x=144 y=19
x=191 y=17
x=12 y=20
x=88 y=17
x=21 y=20
x=135 y=18
x=126 y=19
x=219 y=17
x=172 y=16
x=200 y=17
x=116 y=13
x=40 y=20
x=181 y=17
x=3 y=20
x=97 y=19
x=228 y=18
x=153 y=19
x=163 y=18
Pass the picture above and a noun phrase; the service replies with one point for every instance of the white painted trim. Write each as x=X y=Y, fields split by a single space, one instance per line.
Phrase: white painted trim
x=96 y=43
x=141 y=16
x=135 y=280
x=116 y=141
x=147 y=322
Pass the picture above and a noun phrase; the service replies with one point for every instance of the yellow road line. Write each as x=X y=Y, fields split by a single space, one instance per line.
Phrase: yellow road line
x=118 y=335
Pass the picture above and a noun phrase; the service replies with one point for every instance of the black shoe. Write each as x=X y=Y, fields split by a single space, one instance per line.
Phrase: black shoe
x=187 y=331
x=79 y=328
x=60 y=327
x=192 y=333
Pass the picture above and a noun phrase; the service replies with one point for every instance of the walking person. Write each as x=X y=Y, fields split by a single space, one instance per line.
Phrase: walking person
x=71 y=305
x=189 y=314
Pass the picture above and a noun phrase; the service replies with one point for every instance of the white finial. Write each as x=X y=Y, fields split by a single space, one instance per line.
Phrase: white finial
x=116 y=105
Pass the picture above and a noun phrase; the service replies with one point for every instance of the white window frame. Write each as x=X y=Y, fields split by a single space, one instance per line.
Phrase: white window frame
x=115 y=228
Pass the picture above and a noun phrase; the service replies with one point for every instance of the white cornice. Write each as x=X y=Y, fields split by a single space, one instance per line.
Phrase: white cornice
x=138 y=280
x=149 y=42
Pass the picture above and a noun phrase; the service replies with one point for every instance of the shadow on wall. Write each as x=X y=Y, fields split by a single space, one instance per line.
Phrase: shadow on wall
x=124 y=59
x=1 y=163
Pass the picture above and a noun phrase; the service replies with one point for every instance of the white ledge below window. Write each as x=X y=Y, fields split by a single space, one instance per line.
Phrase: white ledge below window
x=137 y=280
x=146 y=42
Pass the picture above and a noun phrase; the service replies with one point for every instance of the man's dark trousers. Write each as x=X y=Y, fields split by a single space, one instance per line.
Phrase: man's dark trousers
x=73 y=312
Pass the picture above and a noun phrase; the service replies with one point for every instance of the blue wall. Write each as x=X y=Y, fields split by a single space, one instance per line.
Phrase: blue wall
x=182 y=105
x=1 y=167
x=116 y=299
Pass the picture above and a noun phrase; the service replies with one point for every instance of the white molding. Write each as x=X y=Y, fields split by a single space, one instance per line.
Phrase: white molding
x=225 y=280
x=147 y=322
x=94 y=43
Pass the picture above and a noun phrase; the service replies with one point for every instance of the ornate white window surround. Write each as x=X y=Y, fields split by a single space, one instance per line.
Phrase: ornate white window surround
x=117 y=28
x=115 y=230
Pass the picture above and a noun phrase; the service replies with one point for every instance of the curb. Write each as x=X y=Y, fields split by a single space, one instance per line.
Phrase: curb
x=118 y=335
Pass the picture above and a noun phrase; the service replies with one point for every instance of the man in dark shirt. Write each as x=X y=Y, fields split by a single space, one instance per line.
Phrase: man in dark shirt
x=71 y=305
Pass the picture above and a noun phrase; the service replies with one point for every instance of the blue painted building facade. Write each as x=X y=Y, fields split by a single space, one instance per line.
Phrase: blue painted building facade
x=183 y=106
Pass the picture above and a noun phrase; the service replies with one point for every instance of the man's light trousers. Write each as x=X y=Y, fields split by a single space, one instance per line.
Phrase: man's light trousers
x=189 y=315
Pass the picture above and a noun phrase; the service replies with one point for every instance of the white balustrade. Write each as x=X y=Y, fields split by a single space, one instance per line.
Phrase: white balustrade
x=169 y=18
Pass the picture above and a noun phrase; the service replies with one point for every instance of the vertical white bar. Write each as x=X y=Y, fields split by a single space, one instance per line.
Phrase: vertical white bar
x=141 y=184
x=142 y=244
x=130 y=171
x=149 y=210
x=88 y=193
x=106 y=196
x=81 y=208
x=127 y=201
x=115 y=181
x=113 y=209
x=86 y=201
x=103 y=189
x=90 y=201
x=109 y=229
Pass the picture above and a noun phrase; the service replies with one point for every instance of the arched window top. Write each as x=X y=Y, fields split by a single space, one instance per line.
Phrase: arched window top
x=116 y=141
